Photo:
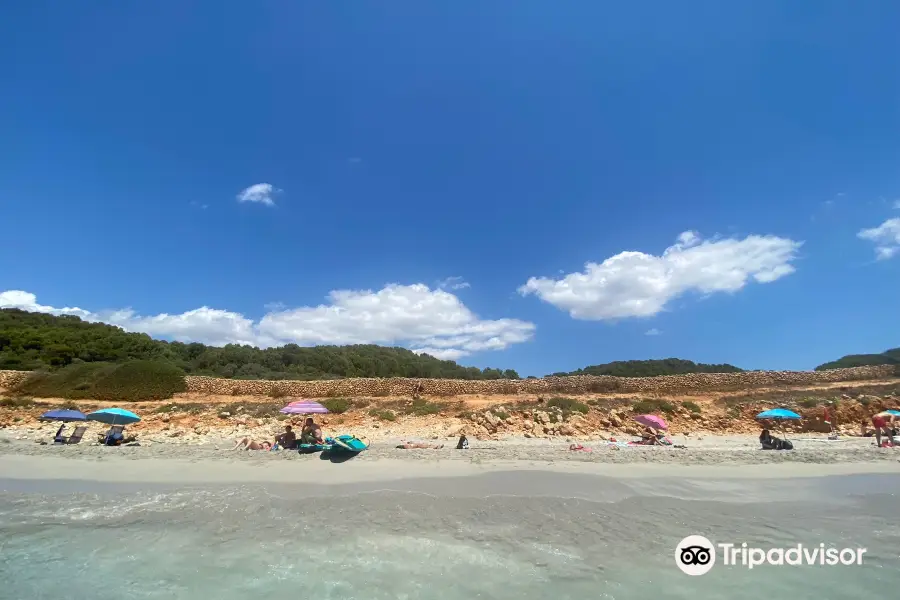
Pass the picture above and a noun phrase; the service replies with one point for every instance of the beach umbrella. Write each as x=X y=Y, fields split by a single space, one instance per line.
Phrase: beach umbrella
x=304 y=407
x=652 y=421
x=778 y=415
x=114 y=416
x=894 y=413
x=63 y=415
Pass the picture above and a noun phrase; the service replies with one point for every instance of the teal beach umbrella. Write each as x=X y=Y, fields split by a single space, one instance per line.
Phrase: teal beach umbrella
x=114 y=416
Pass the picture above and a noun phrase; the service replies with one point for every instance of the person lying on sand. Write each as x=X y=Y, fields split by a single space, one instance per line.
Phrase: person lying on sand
x=248 y=444
x=311 y=433
x=411 y=445
x=579 y=448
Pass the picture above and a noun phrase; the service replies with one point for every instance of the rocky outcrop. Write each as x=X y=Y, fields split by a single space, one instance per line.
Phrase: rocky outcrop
x=398 y=386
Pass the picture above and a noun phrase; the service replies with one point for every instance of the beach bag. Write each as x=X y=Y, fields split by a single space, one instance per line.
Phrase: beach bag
x=463 y=443
x=785 y=445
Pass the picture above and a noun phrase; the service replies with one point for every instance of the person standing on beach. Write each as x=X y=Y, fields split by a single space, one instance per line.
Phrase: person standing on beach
x=883 y=423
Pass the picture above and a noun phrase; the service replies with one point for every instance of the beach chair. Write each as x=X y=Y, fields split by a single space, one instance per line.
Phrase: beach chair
x=114 y=436
x=72 y=439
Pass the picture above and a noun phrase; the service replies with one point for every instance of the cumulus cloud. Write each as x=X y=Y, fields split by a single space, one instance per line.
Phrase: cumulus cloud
x=636 y=284
x=261 y=193
x=886 y=238
x=653 y=331
x=428 y=321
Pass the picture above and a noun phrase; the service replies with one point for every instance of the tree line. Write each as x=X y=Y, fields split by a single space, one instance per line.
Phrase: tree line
x=37 y=341
x=651 y=368
x=888 y=357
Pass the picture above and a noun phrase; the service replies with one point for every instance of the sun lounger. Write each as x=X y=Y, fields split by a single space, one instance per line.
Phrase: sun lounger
x=72 y=439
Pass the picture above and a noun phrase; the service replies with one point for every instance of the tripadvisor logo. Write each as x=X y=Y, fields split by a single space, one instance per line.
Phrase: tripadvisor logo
x=696 y=555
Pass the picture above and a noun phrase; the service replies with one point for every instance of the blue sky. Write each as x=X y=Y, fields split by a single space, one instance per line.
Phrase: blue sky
x=438 y=175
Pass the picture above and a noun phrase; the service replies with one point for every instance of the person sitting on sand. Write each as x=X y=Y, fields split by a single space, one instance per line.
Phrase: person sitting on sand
x=770 y=442
x=311 y=433
x=248 y=444
x=650 y=437
x=411 y=445
x=288 y=439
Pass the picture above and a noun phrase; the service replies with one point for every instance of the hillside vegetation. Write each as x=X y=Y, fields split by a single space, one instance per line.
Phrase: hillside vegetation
x=36 y=341
x=889 y=357
x=652 y=368
x=133 y=381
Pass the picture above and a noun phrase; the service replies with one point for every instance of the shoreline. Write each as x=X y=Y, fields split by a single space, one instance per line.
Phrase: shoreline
x=150 y=470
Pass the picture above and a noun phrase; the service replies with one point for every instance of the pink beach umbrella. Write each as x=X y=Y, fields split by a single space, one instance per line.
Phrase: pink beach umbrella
x=652 y=421
x=304 y=407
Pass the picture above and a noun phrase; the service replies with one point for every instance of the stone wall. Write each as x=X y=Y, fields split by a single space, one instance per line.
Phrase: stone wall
x=397 y=386
x=9 y=379
x=670 y=384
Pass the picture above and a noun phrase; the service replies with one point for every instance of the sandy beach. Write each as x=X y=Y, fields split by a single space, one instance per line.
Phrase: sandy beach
x=709 y=457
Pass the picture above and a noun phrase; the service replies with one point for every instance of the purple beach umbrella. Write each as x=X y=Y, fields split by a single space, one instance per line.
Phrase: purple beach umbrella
x=304 y=407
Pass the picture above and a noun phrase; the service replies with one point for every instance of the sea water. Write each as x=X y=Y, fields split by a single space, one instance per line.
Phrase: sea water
x=449 y=541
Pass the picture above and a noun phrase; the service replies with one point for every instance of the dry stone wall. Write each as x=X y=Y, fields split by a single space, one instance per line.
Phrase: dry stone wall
x=10 y=379
x=398 y=386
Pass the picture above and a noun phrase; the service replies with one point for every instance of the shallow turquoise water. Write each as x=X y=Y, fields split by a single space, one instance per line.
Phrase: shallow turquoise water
x=253 y=542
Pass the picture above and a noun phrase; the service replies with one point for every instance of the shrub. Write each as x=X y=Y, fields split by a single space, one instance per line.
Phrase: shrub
x=337 y=405
x=276 y=392
x=568 y=404
x=810 y=402
x=420 y=407
x=692 y=406
x=384 y=415
x=139 y=380
x=133 y=381
x=650 y=405
x=501 y=414
x=16 y=402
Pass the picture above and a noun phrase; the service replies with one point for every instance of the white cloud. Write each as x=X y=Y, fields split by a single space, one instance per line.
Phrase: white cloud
x=425 y=320
x=453 y=283
x=897 y=204
x=886 y=238
x=261 y=193
x=635 y=284
x=653 y=331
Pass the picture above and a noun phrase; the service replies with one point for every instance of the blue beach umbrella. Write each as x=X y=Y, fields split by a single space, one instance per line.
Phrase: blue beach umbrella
x=114 y=416
x=896 y=413
x=63 y=415
x=779 y=414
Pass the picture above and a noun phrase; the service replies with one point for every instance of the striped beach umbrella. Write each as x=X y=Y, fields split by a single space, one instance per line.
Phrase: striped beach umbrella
x=304 y=407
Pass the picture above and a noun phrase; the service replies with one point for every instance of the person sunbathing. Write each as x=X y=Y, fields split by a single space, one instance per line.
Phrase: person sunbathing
x=248 y=444
x=412 y=445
